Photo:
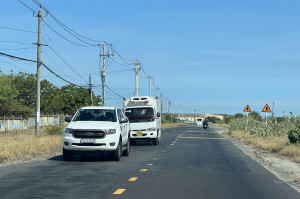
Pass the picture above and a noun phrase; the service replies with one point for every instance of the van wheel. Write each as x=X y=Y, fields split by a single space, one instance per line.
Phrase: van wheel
x=116 y=156
x=156 y=140
x=67 y=155
x=133 y=142
x=126 y=152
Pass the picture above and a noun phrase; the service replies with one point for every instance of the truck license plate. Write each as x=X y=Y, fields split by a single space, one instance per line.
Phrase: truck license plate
x=139 y=133
x=87 y=140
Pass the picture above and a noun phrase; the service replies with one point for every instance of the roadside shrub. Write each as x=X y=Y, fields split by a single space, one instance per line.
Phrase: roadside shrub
x=54 y=130
x=294 y=136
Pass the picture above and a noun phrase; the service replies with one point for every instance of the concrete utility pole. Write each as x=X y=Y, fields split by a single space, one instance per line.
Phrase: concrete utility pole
x=91 y=90
x=178 y=114
x=167 y=104
x=157 y=92
x=102 y=71
x=149 y=77
x=38 y=75
x=161 y=100
x=170 y=111
x=137 y=69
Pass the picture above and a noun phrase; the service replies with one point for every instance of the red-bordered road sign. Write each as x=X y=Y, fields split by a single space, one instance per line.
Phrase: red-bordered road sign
x=266 y=109
x=247 y=109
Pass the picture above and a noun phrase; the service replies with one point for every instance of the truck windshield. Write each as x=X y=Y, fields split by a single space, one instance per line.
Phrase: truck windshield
x=95 y=115
x=140 y=114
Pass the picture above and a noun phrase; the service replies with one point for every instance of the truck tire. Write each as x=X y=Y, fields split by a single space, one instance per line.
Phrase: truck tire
x=133 y=142
x=126 y=151
x=156 y=140
x=67 y=155
x=116 y=155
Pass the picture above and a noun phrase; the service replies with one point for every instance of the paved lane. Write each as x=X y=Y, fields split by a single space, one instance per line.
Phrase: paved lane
x=202 y=164
x=190 y=162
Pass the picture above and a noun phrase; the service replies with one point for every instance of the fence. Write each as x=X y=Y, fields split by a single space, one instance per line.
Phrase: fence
x=18 y=123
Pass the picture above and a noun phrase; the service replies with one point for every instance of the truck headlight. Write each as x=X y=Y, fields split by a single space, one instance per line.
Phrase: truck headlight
x=111 y=131
x=68 y=131
x=151 y=129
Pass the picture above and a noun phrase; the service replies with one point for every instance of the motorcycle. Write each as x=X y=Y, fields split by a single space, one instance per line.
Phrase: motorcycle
x=205 y=124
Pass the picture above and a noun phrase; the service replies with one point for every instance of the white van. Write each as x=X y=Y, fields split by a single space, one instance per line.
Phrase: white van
x=144 y=116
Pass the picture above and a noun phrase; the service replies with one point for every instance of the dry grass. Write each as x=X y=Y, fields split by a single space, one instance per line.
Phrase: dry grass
x=275 y=144
x=23 y=145
x=219 y=125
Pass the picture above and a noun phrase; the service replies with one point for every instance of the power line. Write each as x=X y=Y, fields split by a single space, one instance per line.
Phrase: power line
x=15 y=57
x=66 y=63
x=117 y=71
x=3 y=27
x=18 y=48
x=14 y=42
x=27 y=6
x=114 y=92
x=57 y=66
x=63 y=36
x=14 y=65
x=51 y=71
x=123 y=59
x=66 y=28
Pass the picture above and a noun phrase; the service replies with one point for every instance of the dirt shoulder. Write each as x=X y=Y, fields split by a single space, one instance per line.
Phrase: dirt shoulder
x=281 y=166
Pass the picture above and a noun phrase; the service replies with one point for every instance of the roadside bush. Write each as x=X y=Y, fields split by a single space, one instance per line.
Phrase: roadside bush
x=54 y=130
x=294 y=136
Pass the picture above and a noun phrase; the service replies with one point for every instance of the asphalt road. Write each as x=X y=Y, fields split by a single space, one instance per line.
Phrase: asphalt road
x=189 y=163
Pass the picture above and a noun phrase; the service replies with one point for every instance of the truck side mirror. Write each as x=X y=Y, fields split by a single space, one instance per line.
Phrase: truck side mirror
x=124 y=120
x=158 y=114
x=68 y=119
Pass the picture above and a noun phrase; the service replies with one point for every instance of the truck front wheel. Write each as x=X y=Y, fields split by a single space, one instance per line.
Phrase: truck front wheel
x=116 y=156
x=67 y=155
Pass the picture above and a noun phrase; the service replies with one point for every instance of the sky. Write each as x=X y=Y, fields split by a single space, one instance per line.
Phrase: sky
x=204 y=56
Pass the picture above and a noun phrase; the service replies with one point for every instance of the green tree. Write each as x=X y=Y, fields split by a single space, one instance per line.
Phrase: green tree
x=239 y=115
x=26 y=87
x=50 y=93
x=256 y=116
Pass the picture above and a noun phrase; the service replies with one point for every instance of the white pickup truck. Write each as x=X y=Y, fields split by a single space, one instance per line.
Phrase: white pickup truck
x=97 y=129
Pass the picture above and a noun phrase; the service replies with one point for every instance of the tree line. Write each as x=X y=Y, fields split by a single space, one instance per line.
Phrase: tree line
x=18 y=96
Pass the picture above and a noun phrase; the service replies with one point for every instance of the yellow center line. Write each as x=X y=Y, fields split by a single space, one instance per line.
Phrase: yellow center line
x=119 y=191
x=133 y=179
x=203 y=138
x=150 y=164
x=143 y=170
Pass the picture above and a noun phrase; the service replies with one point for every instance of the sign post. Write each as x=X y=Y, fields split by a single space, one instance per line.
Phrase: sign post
x=248 y=110
x=266 y=110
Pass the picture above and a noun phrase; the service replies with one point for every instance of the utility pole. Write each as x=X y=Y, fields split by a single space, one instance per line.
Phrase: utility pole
x=161 y=107
x=167 y=103
x=149 y=77
x=137 y=69
x=91 y=90
x=102 y=71
x=170 y=111
x=178 y=114
x=38 y=75
x=195 y=115
x=157 y=92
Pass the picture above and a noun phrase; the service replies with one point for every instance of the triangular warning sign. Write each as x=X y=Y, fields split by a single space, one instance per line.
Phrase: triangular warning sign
x=266 y=109
x=247 y=109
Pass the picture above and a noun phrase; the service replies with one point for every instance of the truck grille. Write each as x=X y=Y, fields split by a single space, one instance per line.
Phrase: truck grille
x=89 y=134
